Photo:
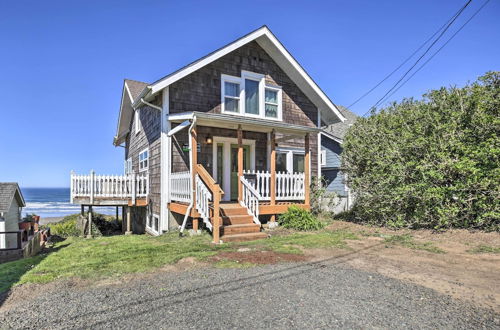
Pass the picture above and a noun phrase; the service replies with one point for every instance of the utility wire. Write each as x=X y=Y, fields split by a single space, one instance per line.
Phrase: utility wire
x=420 y=58
x=440 y=48
x=404 y=62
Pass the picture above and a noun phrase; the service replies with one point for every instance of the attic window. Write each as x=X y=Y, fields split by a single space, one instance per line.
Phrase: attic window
x=249 y=95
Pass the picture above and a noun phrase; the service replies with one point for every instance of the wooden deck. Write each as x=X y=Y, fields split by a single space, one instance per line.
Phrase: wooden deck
x=265 y=208
x=110 y=201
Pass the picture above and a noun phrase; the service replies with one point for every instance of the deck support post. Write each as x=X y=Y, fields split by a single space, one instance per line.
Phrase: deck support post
x=89 y=233
x=307 y=169
x=196 y=224
x=273 y=176
x=82 y=211
x=117 y=213
x=129 y=230
x=240 y=163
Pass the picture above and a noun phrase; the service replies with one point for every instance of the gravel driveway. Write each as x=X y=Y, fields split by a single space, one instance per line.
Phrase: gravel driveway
x=298 y=295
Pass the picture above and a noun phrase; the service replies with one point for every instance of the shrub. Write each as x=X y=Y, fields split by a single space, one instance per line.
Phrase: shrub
x=430 y=163
x=322 y=201
x=66 y=227
x=300 y=219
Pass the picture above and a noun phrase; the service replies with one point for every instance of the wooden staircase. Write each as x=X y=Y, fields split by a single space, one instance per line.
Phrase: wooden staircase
x=237 y=225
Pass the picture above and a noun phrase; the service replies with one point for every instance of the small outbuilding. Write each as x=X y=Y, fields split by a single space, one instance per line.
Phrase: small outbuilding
x=11 y=204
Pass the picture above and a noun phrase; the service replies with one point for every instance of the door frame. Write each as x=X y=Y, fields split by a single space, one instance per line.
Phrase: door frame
x=226 y=167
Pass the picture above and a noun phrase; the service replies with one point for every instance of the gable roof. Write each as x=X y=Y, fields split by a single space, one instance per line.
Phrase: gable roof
x=9 y=190
x=338 y=130
x=131 y=91
x=268 y=41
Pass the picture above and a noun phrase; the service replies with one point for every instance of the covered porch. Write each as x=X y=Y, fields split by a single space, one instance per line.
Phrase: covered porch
x=223 y=164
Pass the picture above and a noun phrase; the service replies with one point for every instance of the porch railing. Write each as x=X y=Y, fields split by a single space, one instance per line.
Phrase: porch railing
x=203 y=199
x=109 y=186
x=250 y=199
x=180 y=186
x=289 y=186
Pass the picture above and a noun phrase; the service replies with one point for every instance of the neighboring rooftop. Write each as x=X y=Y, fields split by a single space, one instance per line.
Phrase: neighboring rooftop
x=9 y=190
x=339 y=129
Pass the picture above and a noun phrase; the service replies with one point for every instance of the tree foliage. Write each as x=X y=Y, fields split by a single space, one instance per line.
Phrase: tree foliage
x=430 y=163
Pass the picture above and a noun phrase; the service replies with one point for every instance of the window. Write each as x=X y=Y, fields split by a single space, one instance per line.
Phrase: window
x=290 y=160
x=137 y=121
x=231 y=96
x=144 y=160
x=298 y=163
x=323 y=158
x=153 y=222
x=281 y=161
x=128 y=166
x=249 y=95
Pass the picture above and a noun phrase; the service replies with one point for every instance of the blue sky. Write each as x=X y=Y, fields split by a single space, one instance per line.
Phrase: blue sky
x=62 y=63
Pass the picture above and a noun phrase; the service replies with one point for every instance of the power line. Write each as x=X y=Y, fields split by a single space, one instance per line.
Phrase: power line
x=420 y=58
x=440 y=48
x=404 y=62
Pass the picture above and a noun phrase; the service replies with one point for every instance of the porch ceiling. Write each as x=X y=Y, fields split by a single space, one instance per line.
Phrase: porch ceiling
x=247 y=123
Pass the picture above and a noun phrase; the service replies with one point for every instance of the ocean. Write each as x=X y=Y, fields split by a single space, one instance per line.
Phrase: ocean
x=53 y=202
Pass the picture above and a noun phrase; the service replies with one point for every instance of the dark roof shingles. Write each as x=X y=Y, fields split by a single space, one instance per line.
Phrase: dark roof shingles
x=7 y=191
x=339 y=129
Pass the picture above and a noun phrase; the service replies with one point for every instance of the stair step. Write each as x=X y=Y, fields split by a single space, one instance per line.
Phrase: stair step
x=229 y=211
x=244 y=237
x=237 y=219
x=240 y=229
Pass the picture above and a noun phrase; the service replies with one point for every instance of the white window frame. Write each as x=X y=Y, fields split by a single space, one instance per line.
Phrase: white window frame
x=260 y=78
x=323 y=158
x=151 y=217
x=139 y=159
x=289 y=156
x=128 y=166
x=137 y=121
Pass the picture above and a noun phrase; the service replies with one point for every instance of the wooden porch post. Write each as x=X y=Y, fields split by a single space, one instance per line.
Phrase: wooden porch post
x=307 y=169
x=240 y=163
x=273 y=172
x=194 y=158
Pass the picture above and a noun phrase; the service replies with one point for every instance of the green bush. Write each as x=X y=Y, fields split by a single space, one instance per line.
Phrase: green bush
x=430 y=163
x=66 y=227
x=300 y=219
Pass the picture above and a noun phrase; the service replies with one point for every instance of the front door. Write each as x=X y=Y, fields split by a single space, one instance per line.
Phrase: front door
x=234 y=167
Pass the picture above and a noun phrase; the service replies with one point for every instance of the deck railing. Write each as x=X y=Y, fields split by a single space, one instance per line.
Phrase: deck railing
x=289 y=186
x=109 y=186
x=180 y=186
x=203 y=199
x=250 y=199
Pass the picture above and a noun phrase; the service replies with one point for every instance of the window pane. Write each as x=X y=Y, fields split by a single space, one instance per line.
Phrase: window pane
x=271 y=110
x=231 y=105
x=298 y=163
x=281 y=162
x=232 y=89
x=271 y=96
x=252 y=96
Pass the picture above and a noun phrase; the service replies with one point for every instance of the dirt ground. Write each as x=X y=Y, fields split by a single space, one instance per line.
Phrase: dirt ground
x=457 y=272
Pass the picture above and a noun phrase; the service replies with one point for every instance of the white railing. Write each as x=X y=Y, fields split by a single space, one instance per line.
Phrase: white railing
x=180 y=186
x=203 y=199
x=109 y=186
x=289 y=186
x=250 y=200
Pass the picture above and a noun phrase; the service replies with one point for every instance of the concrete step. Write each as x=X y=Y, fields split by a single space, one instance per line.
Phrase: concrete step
x=240 y=229
x=237 y=219
x=243 y=237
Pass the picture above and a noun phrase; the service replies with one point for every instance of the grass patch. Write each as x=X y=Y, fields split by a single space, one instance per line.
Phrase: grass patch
x=485 y=249
x=407 y=241
x=105 y=257
x=233 y=264
x=291 y=243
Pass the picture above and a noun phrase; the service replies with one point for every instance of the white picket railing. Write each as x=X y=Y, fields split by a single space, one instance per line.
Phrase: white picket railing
x=109 y=186
x=180 y=186
x=250 y=200
x=203 y=199
x=289 y=186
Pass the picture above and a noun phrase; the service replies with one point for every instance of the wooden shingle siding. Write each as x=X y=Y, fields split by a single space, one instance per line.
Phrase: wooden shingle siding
x=148 y=137
x=201 y=90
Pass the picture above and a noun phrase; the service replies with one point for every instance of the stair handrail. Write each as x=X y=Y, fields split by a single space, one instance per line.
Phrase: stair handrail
x=206 y=180
x=250 y=199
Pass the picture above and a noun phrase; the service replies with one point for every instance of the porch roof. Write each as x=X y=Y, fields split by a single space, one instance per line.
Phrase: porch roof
x=247 y=123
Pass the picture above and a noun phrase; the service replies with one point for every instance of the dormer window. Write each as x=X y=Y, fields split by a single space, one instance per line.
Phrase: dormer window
x=249 y=95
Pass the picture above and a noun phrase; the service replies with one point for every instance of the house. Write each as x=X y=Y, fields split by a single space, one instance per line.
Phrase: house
x=11 y=204
x=227 y=142
x=332 y=138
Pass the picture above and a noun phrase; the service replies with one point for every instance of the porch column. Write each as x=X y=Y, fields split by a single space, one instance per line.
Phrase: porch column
x=129 y=229
x=194 y=162
x=240 y=163
x=273 y=172
x=307 y=169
